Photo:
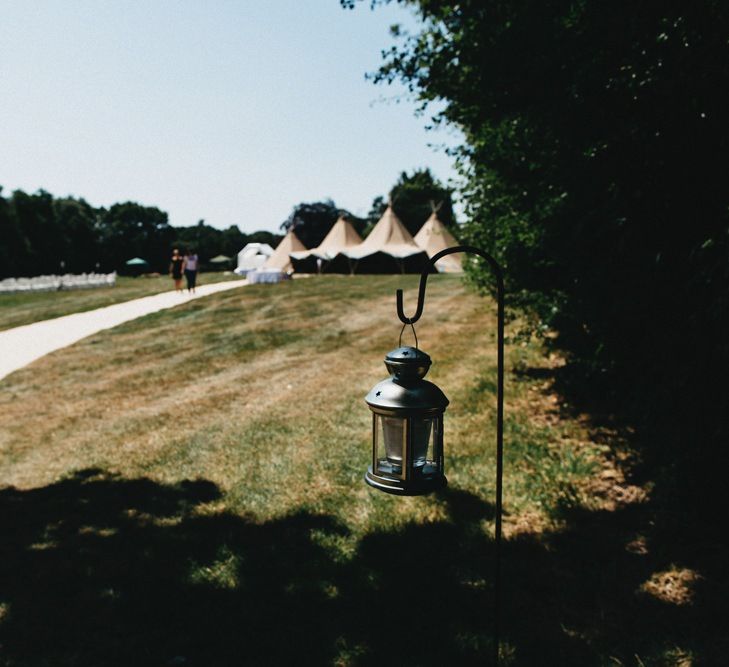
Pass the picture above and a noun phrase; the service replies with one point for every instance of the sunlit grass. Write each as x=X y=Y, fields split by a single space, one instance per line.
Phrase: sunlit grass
x=261 y=391
x=213 y=454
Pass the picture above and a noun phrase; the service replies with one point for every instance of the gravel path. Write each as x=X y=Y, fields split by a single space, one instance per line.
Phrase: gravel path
x=23 y=345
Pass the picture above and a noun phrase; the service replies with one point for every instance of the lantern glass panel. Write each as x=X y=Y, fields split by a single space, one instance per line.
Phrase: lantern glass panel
x=394 y=433
x=421 y=434
x=389 y=443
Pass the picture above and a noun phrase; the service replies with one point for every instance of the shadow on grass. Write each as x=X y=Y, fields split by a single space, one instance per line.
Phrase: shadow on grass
x=678 y=529
x=100 y=570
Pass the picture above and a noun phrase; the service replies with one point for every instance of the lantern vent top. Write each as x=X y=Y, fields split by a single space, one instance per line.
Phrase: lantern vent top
x=407 y=364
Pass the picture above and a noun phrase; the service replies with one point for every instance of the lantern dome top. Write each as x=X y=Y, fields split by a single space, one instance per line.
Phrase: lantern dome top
x=407 y=363
x=407 y=354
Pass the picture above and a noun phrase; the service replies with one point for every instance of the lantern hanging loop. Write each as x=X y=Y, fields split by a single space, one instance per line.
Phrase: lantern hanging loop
x=412 y=326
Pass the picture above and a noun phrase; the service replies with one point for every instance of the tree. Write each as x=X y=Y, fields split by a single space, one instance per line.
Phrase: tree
x=207 y=241
x=592 y=134
x=40 y=234
x=45 y=245
x=76 y=220
x=264 y=237
x=14 y=250
x=131 y=230
x=233 y=241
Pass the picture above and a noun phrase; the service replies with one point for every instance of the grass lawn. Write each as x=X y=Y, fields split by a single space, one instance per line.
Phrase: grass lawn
x=19 y=309
x=186 y=489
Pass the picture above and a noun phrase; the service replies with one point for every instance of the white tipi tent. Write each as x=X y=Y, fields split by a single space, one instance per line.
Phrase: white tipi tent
x=389 y=248
x=280 y=258
x=252 y=257
x=434 y=237
x=340 y=237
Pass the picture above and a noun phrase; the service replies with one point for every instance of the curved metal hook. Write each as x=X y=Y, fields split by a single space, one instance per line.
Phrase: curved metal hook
x=424 y=279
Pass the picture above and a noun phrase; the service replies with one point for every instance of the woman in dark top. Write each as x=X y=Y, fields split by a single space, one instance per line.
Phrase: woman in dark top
x=177 y=266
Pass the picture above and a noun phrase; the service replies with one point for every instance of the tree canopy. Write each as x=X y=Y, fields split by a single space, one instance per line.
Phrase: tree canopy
x=594 y=138
x=42 y=234
x=209 y=241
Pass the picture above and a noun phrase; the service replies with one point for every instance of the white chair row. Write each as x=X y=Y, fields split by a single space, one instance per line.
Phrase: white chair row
x=55 y=283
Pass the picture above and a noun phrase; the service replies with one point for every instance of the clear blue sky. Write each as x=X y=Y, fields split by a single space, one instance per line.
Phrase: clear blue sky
x=231 y=111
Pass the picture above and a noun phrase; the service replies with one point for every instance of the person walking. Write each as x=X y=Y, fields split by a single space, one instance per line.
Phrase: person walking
x=191 y=268
x=177 y=266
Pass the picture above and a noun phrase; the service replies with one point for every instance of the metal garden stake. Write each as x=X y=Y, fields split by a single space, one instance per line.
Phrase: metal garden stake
x=407 y=418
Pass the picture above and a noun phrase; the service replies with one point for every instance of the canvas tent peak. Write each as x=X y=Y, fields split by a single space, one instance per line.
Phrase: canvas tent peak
x=389 y=235
x=434 y=237
x=280 y=257
x=341 y=236
x=388 y=248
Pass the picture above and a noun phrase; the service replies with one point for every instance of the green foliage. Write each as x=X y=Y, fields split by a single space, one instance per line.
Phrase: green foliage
x=44 y=242
x=131 y=230
x=209 y=242
x=76 y=220
x=264 y=237
x=594 y=134
x=41 y=234
x=14 y=244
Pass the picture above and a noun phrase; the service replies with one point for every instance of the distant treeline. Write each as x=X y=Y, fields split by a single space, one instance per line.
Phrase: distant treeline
x=41 y=234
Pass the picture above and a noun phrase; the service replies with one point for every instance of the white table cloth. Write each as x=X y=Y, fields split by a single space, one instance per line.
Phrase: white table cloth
x=265 y=276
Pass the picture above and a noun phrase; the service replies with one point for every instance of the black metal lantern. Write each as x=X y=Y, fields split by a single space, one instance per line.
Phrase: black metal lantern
x=407 y=427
